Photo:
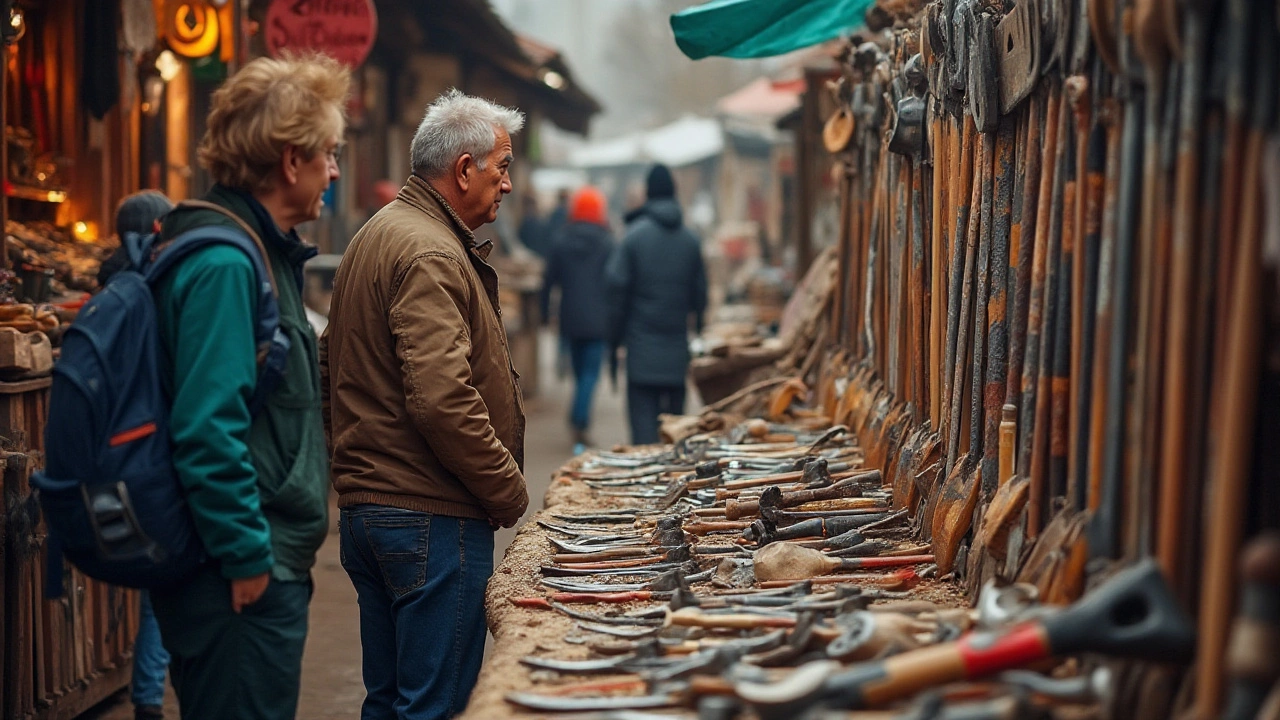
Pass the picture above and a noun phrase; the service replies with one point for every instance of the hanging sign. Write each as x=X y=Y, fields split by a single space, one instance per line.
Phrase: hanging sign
x=341 y=29
x=191 y=27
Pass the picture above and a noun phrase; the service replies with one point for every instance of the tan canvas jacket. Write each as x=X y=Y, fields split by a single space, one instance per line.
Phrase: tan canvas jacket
x=421 y=403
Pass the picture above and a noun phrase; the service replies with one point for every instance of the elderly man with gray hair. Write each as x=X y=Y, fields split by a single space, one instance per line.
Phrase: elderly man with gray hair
x=424 y=414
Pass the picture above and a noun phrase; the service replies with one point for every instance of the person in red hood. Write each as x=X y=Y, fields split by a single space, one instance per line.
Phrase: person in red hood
x=575 y=264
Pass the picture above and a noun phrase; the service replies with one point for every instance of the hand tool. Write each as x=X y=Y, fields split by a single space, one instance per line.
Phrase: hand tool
x=1174 y=484
x=619 y=630
x=997 y=324
x=900 y=579
x=549 y=703
x=1035 y=303
x=1109 y=116
x=1230 y=462
x=918 y=307
x=786 y=561
x=1078 y=94
x=866 y=635
x=765 y=532
x=847 y=488
x=962 y=284
x=1021 y=241
x=937 y=248
x=1082 y=374
x=959 y=493
x=1018 y=37
x=963 y=198
x=1104 y=540
x=1132 y=615
x=1253 y=654
x=544 y=603
x=1041 y=431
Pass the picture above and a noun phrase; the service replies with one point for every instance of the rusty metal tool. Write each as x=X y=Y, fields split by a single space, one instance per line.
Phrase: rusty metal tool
x=963 y=199
x=1035 y=304
x=1110 y=119
x=1021 y=237
x=1042 y=428
x=1104 y=529
x=1132 y=615
x=851 y=487
x=962 y=285
x=997 y=302
x=1175 y=487
x=1083 y=373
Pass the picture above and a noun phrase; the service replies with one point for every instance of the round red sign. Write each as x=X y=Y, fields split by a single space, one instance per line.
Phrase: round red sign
x=342 y=29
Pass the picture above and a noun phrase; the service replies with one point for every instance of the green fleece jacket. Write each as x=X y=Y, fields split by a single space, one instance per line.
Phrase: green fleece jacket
x=257 y=486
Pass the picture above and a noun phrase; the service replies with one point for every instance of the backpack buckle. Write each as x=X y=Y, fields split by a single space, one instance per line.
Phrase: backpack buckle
x=115 y=524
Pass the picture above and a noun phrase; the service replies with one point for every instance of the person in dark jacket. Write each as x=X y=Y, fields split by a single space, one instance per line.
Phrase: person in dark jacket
x=657 y=281
x=576 y=264
x=533 y=230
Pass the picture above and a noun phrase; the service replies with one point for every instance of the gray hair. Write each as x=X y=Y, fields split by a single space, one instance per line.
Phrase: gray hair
x=457 y=124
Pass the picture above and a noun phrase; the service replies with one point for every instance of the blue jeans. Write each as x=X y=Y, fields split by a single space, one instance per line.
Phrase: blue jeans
x=420 y=581
x=587 y=357
x=150 y=660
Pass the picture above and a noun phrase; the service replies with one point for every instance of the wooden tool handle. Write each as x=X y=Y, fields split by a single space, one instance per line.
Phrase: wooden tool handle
x=693 y=617
x=977 y=655
x=883 y=562
x=611 y=554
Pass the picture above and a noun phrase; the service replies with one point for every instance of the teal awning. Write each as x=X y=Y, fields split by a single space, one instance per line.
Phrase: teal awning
x=763 y=28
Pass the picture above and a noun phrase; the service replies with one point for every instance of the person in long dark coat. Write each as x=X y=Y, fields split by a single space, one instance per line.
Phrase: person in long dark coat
x=657 y=284
x=576 y=264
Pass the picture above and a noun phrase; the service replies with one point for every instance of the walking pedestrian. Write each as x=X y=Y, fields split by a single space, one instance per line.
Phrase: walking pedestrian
x=425 y=415
x=140 y=213
x=657 y=283
x=256 y=483
x=576 y=265
x=533 y=229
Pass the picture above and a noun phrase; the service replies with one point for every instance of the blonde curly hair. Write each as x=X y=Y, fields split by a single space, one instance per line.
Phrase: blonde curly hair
x=270 y=103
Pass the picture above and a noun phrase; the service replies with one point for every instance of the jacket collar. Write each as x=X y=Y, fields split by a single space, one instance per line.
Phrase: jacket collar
x=420 y=194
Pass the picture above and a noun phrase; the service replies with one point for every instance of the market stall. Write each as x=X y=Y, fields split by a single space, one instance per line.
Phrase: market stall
x=1052 y=334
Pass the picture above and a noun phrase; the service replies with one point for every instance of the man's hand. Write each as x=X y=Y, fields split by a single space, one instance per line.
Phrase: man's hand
x=246 y=591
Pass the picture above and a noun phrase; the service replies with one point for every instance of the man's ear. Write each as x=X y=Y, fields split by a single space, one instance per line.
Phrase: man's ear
x=290 y=160
x=462 y=168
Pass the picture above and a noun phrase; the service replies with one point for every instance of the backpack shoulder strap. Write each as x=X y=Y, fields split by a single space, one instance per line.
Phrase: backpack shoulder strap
x=166 y=255
x=262 y=249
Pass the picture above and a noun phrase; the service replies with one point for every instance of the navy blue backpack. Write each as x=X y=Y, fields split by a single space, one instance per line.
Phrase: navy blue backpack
x=112 y=501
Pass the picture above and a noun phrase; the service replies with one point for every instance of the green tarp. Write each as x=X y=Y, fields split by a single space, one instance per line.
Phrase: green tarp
x=763 y=28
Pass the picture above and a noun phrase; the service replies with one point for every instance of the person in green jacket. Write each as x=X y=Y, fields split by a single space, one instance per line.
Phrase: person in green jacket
x=257 y=485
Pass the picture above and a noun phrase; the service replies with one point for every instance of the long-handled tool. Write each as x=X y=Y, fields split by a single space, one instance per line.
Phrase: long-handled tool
x=1035 y=306
x=997 y=303
x=1230 y=462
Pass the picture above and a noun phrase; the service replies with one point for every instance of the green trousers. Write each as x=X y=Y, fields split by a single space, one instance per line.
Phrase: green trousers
x=234 y=666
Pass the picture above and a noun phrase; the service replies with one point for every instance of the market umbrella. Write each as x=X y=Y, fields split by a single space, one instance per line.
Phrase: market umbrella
x=763 y=28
